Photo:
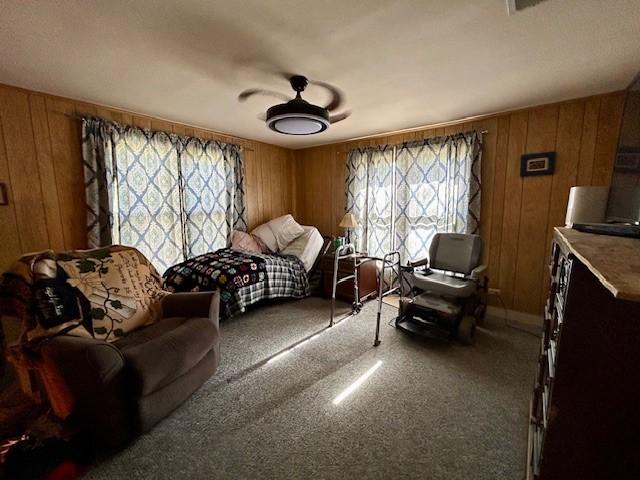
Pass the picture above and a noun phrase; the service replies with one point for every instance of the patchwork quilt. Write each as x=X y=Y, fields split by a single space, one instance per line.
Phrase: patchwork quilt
x=243 y=278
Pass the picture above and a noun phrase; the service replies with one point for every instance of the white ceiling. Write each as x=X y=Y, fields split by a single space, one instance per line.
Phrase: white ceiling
x=401 y=63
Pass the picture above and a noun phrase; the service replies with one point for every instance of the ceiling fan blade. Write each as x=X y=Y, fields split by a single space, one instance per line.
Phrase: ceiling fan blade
x=336 y=95
x=258 y=91
x=339 y=117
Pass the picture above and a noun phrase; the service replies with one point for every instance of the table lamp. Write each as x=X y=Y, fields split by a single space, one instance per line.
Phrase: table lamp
x=349 y=222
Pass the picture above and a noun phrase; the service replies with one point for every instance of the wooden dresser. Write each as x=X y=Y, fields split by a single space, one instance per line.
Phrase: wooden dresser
x=585 y=409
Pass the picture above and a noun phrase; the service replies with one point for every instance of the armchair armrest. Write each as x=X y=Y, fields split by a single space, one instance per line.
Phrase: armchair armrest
x=476 y=272
x=81 y=359
x=192 y=304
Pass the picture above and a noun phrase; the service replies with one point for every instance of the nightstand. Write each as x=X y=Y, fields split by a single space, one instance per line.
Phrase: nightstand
x=367 y=278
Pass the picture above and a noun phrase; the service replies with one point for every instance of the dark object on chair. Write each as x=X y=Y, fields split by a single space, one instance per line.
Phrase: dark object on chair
x=447 y=302
x=126 y=387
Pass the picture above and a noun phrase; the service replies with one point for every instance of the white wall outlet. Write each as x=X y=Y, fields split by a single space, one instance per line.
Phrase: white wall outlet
x=493 y=291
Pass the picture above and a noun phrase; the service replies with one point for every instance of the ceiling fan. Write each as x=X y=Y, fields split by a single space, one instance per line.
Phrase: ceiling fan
x=297 y=116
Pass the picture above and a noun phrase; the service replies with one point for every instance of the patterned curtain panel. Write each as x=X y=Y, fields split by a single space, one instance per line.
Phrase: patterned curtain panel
x=403 y=195
x=236 y=212
x=380 y=194
x=437 y=190
x=209 y=168
x=97 y=151
x=356 y=189
x=148 y=213
x=171 y=197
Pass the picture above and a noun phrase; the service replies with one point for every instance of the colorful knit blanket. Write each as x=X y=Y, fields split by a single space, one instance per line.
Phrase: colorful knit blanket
x=226 y=269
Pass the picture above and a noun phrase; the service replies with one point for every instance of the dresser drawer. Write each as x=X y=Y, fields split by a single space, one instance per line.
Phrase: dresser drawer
x=367 y=278
x=564 y=274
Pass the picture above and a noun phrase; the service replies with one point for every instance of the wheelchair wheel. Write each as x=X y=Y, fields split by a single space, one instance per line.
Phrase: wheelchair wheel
x=479 y=312
x=467 y=330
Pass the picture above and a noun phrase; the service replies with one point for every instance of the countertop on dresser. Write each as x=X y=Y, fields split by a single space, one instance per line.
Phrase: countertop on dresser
x=615 y=261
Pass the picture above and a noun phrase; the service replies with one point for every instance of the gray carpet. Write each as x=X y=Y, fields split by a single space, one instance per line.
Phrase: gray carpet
x=431 y=410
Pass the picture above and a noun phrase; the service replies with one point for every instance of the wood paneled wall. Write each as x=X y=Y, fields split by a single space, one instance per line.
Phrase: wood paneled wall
x=518 y=214
x=40 y=161
x=41 y=164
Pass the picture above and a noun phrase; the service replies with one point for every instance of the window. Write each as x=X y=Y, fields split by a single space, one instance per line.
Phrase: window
x=414 y=190
x=171 y=197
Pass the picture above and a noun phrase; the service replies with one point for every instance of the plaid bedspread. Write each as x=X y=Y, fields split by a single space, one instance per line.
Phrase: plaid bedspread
x=280 y=276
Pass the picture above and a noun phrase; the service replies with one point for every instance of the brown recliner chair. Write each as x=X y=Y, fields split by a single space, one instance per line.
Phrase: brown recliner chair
x=117 y=389
x=124 y=388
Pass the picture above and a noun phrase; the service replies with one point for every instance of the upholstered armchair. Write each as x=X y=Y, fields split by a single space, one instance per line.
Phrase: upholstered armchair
x=123 y=388
x=114 y=386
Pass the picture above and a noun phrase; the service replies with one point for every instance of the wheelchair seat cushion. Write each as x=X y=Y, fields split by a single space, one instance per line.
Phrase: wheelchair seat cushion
x=442 y=284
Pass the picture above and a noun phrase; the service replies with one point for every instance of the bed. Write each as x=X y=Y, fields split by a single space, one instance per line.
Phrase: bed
x=245 y=278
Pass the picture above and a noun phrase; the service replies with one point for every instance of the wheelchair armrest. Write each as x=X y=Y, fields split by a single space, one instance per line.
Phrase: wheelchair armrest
x=419 y=263
x=477 y=272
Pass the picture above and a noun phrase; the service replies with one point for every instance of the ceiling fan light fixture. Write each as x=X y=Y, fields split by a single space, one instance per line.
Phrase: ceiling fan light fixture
x=297 y=117
x=298 y=124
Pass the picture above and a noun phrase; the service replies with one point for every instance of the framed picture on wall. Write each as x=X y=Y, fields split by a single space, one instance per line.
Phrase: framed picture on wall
x=537 y=164
x=628 y=161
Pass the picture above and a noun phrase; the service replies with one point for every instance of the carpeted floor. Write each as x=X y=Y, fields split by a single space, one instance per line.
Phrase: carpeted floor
x=431 y=410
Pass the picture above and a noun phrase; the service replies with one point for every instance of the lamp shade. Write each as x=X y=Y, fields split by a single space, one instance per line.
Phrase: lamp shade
x=349 y=221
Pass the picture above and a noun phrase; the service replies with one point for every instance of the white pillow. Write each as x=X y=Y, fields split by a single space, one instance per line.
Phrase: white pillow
x=306 y=247
x=285 y=230
x=264 y=233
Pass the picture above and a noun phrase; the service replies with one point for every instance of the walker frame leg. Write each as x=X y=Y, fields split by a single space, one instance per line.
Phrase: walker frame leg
x=392 y=261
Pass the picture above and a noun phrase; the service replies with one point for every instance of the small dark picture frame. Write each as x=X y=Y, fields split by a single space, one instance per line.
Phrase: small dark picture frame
x=537 y=164
x=4 y=198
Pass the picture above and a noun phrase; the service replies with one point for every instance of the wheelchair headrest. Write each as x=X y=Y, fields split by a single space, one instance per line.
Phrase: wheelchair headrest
x=455 y=252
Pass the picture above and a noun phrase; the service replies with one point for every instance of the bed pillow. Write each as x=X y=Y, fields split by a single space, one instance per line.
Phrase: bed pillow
x=266 y=236
x=306 y=247
x=244 y=241
x=285 y=230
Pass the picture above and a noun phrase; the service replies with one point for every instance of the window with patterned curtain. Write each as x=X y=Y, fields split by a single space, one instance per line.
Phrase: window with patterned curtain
x=171 y=197
x=213 y=194
x=147 y=212
x=406 y=193
x=370 y=193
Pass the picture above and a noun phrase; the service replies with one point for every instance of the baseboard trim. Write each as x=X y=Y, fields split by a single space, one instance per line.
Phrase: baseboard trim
x=527 y=321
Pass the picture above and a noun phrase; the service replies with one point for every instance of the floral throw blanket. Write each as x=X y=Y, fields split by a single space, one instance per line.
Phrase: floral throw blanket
x=226 y=269
x=102 y=293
